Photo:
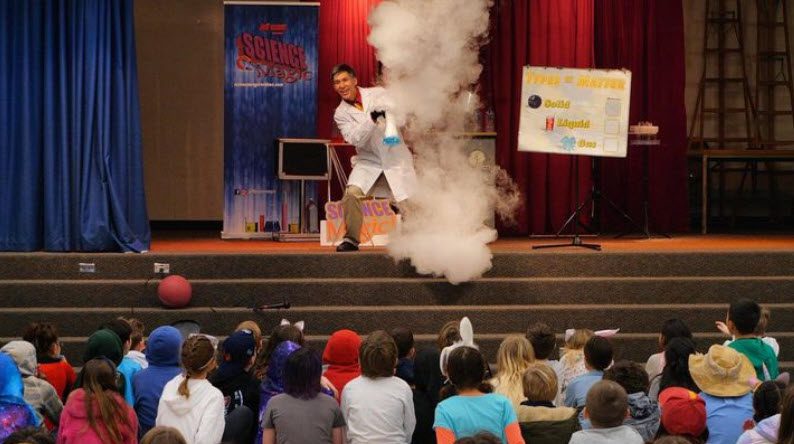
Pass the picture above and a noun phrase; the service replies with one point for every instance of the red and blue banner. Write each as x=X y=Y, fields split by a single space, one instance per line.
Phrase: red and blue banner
x=271 y=64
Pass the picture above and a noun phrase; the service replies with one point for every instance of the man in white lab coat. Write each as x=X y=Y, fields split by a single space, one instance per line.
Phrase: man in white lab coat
x=360 y=117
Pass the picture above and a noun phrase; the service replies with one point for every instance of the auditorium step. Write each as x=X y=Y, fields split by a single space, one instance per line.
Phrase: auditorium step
x=635 y=292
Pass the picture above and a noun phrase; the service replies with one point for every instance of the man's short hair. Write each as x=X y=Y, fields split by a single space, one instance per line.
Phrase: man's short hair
x=598 y=353
x=340 y=68
x=606 y=404
x=404 y=339
x=744 y=314
x=378 y=355
x=542 y=338
x=630 y=375
x=539 y=383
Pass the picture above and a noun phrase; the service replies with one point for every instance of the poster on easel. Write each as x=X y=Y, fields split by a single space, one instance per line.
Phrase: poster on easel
x=270 y=91
x=573 y=111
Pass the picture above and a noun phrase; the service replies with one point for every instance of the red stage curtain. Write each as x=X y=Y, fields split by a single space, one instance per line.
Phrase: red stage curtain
x=647 y=37
x=543 y=33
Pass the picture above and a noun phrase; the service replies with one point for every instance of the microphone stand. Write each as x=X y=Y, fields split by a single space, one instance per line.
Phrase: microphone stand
x=285 y=304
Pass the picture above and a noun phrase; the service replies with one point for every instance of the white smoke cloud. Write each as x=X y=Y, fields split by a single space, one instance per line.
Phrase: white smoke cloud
x=430 y=51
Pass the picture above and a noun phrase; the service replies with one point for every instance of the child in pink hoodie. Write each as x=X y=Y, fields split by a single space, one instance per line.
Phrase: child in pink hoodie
x=108 y=420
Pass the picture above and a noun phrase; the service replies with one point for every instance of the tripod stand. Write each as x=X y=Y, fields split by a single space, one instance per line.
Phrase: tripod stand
x=595 y=196
x=574 y=219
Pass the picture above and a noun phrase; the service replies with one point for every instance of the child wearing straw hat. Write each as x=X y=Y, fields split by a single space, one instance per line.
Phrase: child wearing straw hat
x=724 y=377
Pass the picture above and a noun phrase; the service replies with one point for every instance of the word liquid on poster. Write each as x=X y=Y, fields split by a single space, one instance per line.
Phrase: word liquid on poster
x=271 y=62
x=379 y=220
x=581 y=112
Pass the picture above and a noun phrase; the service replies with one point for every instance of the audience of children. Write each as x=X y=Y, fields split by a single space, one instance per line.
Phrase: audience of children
x=163 y=435
x=540 y=420
x=671 y=329
x=96 y=413
x=273 y=384
x=742 y=321
x=303 y=413
x=676 y=367
x=240 y=389
x=162 y=355
x=15 y=413
x=52 y=365
x=644 y=415
x=341 y=358
x=39 y=394
x=473 y=408
x=606 y=407
x=572 y=356
x=189 y=403
x=785 y=434
x=767 y=399
x=544 y=343
x=724 y=377
x=427 y=385
x=448 y=334
x=260 y=362
x=378 y=406
x=597 y=357
x=205 y=399
x=30 y=435
x=283 y=332
x=515 y=354
x=683 y=415
x=480 y=438
x=128 y=367
x=404 y=339
x=137 y=344
x=760 y=331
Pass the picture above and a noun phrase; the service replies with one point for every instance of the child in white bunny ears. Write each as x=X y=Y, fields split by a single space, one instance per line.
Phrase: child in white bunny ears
x=572 y=355
x=283 y=332
x=466 y=338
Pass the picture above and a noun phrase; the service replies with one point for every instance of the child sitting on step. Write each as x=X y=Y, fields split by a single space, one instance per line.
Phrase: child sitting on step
x=52 y=365
x=606 y=408
x=597 y=357
x=742 y=321
x=572 y=358
x=378 y=406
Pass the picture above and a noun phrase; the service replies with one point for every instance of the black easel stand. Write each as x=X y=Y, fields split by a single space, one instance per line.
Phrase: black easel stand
x=574 y=219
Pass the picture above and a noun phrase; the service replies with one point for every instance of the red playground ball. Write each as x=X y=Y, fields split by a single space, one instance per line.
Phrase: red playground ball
x=174 y=291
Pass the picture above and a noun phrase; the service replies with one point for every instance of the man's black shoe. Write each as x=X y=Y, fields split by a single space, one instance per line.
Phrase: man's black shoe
x=346 y=246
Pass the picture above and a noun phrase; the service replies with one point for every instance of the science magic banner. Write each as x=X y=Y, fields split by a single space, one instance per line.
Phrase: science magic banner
x=271 y=61
x=574 y=111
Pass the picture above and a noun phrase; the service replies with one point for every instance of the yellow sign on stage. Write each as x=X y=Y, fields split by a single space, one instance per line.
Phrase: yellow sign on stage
x=575 y=111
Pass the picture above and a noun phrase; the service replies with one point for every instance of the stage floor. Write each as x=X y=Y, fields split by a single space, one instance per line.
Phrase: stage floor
x=170 y=241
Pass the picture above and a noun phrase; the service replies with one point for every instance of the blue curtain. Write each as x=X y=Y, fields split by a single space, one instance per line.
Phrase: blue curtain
x=71 y=170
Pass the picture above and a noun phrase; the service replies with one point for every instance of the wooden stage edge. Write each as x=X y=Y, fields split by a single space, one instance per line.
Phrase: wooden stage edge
x=210 y=242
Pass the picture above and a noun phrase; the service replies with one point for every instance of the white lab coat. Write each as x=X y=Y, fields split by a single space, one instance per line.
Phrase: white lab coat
x=373 y=156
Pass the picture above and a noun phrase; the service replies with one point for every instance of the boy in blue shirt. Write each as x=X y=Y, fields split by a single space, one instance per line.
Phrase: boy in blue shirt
x=597 y=357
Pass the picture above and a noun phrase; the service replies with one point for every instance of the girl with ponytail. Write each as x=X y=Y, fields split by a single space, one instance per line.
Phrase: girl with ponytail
x=473 y=409
x=189 y=402
x=96 y=413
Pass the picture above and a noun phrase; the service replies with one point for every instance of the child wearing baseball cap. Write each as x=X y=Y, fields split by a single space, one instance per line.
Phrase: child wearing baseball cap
x=683 y=414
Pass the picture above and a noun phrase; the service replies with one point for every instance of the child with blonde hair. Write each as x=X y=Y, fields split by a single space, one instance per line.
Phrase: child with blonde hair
x=572 y=358
x=541 y=422
x=513 y=358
